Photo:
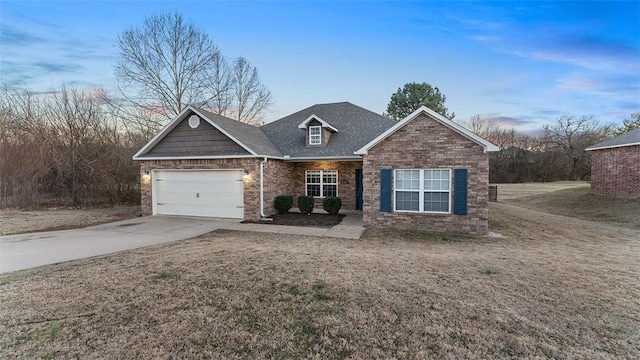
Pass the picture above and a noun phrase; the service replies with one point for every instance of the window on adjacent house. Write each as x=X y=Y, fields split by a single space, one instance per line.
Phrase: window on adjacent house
x=322 y=183
x=423 y=190
x=315 y=135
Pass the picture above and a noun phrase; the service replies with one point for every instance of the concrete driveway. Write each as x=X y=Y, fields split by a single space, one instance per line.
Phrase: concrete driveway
x=35 y=249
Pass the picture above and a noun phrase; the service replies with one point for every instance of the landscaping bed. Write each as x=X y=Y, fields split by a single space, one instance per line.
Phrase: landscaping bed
x=298 y=219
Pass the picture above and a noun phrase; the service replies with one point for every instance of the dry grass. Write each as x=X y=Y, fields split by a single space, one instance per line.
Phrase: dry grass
x=552 y=287
x=581 y=203
x=23 y=221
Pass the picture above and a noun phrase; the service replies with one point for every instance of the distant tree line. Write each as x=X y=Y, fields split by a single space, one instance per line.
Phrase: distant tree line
x=556 y=154
x=67 y=147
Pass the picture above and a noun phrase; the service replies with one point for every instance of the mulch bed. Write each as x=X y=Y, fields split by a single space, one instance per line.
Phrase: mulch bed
x=297 y=219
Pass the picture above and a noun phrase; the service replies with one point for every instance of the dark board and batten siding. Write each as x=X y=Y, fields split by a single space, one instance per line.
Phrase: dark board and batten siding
x=203 y=140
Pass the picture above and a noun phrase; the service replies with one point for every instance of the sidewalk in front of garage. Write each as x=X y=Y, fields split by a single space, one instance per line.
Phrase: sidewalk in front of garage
x=350 y=227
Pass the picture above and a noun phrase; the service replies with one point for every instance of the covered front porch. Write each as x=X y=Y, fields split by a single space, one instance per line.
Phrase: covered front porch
x=321 y=179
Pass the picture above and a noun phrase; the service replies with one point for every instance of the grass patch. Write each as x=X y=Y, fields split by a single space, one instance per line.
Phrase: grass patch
x=52 y=331
x=421 y=236
x=164 y=274
x=489 y=270
x=619 y=328
x=583 y=204
x=320 y=289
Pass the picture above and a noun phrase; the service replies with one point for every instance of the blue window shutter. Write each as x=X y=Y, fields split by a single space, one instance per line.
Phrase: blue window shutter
x=460 y=191
x=385 y=190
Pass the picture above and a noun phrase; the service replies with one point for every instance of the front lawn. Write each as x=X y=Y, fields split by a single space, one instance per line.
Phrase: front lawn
x=551 y=287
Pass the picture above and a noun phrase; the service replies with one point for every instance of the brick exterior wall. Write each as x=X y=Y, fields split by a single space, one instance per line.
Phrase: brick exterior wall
x=277 y=181
x=280 y=178
x=346 y=180
x=616 y=172
x=424 y=143
x=251 y=185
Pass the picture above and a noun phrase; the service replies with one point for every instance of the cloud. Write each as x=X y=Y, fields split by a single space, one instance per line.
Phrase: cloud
x=11 y=36
x=542 y=112
x=509 y=121
x=605 y=85
x=53 y=67
x=588 y=52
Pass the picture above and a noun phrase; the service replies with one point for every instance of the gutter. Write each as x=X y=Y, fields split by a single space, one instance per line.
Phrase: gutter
x=263 y=217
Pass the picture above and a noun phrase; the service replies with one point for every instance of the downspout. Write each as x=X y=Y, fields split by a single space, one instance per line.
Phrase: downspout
x=262 y=215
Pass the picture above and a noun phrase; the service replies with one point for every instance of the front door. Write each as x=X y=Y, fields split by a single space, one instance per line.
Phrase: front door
x=358 y=189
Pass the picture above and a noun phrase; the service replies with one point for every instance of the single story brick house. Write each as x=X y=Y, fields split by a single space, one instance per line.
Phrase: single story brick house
x=424 y=172
x=615 y=166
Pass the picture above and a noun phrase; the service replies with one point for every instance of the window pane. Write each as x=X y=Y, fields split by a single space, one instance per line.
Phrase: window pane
x=436 y=180
x=313 y=190
x=313 y=177
x=436 y=201
x=330 y=177
x=407 y=200
x=400 y=179
x=314 y=130
x=407 y=179
x=329 y=190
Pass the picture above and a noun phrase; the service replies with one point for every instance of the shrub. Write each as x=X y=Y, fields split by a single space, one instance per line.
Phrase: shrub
x=283 y=203
x=305 y=204
x=332 y=204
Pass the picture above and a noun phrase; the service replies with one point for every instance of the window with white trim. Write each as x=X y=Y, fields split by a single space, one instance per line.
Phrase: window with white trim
x=423 y=190
x=322 y=183
x=315 y=135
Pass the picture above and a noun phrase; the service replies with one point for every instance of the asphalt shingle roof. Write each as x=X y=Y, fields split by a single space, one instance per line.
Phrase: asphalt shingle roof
x=253 y=137
x=356 y=127
x=629 y=138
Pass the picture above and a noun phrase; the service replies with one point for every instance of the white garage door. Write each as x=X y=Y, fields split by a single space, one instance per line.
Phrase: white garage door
x=211 y=193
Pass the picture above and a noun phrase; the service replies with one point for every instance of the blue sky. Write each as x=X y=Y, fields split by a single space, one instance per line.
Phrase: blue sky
x=523 y=63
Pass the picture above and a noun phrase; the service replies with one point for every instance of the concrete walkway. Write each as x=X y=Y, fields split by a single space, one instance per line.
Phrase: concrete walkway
x=349 y=228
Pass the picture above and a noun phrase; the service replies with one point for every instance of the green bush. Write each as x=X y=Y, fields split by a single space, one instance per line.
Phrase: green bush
x=332 y=204
x=305 y=204
x=283 y=203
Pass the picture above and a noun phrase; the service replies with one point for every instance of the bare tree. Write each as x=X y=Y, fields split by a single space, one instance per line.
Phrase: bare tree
x=63 y=147
x=168 y=63
x=250 y=96
x=220 y=84
x=164 y=64
x=571 y=135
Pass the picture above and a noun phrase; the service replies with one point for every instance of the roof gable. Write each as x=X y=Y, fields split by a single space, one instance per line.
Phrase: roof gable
x=248 y=138
x=205 y=139
x=324 y=124
x=488 y=147
x=356 y=126
x=629 y=138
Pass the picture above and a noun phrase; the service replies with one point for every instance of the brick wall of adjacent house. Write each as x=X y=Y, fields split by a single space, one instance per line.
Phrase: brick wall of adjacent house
x=425 y=143
x=346 y=180
x=251 y=185
x=616 y=172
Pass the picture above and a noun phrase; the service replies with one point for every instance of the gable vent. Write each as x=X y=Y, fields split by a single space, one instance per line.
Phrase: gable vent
x=194 y=121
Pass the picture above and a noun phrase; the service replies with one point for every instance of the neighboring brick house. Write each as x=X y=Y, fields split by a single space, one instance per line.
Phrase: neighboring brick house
x=424 y=172
x=615 y=166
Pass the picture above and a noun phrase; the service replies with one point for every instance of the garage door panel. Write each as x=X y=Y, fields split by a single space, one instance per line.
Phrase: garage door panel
x=214 y=193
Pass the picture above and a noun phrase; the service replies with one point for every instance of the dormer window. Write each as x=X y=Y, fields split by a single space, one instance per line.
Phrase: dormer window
x=318 y=131
x=315 y=135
